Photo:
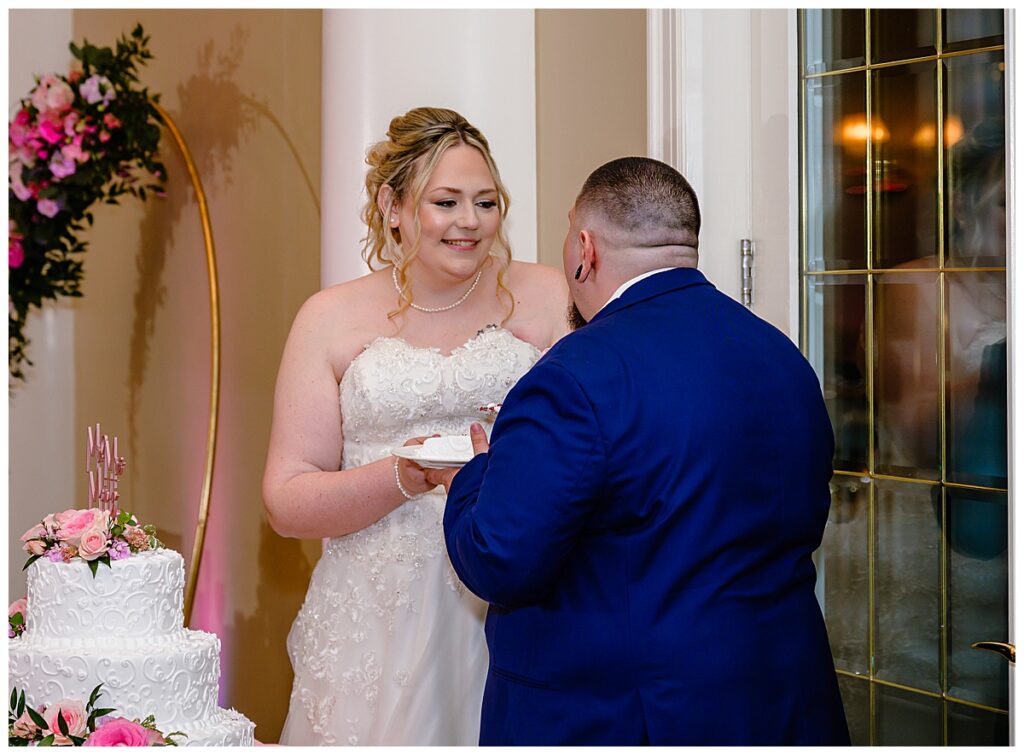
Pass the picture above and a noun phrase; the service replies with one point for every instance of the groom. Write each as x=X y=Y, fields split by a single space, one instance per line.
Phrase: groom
x=643 y=522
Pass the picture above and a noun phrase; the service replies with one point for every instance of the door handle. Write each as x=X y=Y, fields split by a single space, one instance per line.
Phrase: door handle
x=1005 y=649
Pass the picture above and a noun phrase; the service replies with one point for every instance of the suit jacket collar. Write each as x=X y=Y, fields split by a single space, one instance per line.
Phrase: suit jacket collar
x=662 y=283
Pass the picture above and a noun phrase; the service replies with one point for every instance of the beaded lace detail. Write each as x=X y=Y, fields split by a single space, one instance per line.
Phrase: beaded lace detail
x=386 y=624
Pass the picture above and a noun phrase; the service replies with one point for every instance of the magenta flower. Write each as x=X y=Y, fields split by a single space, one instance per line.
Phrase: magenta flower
x=110 y=121
x=20 y=130
x=51 y=133
x=15 y=254
x=119 y=732
x=48 y=207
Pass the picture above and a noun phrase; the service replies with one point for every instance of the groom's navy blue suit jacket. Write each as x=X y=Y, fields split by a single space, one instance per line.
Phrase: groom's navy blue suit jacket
x=643 y=527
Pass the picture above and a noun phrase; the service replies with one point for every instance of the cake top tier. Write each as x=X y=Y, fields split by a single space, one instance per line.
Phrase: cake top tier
x=139 y=596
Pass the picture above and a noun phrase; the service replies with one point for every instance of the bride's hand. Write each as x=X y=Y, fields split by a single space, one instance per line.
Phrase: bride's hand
x=445 y=476
x=412 y=475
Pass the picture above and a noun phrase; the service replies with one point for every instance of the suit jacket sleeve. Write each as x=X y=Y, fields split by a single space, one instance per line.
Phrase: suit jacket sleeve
x=514 y=513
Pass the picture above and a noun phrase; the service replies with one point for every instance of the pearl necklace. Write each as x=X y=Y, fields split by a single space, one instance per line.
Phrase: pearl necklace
x=394 y=277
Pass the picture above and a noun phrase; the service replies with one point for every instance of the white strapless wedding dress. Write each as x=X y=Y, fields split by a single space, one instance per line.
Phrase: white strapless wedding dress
x=388 y=647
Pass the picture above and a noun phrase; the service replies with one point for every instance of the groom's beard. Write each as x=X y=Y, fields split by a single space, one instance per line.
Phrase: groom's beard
x=575 y=317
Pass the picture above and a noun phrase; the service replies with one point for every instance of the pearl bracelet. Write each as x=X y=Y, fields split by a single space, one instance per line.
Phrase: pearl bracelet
x=398 y=481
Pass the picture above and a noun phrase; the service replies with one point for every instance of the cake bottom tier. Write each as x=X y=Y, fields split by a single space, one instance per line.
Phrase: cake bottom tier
x=225 y=728
x=173 y=678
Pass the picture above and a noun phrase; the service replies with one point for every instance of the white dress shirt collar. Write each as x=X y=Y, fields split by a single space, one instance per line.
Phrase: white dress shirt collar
x=622 y=289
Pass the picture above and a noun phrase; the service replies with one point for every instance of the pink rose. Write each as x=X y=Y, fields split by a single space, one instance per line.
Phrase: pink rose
x=24 y=727
x=15 y=254
x=93 y=543
x=70 y=120
x=119 y=732
x=52 y=94
x=20 y=129
x=18 y=606
x=74 y=716
x=72 y=527
x=36 y=547
x=33 y=532
x=48 y=207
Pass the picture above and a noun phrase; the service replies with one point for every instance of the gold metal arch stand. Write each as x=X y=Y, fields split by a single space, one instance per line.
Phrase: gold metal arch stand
x=211 y=436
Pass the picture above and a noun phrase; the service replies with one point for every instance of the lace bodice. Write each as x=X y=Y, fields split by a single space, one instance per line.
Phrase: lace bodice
x=393 y=391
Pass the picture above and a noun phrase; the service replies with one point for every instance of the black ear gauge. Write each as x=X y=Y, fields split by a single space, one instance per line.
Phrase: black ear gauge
x=579 y=272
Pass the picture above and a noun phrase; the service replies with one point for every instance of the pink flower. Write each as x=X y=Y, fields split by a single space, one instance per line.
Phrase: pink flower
x=119 y=732
x=20 y=129
x=70 y=120
x=18 y=606
x=52 y=94
x=75 y=151
x=36 y=547
x=74 y=716
x=48 y=207
x=25 y=727
x=97 y=88
x=104 y=136
x=72 y=527
x=137 y=538
x=21 y=191
x=33 y=532
x=51 y=132
x=62 y=166
x=110 y=121
x=93 y=543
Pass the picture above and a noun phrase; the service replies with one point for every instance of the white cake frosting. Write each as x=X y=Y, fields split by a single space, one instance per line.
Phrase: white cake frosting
x=123 y=629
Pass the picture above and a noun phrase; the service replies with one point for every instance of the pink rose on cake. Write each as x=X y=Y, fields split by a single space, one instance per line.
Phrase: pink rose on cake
x=25 y=727
x=74 y=716
x=93 y=543
x=120 y=732
x=72 y=528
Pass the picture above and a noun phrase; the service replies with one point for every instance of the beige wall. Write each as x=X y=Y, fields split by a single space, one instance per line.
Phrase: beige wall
x=244 y=88
x=591 y=106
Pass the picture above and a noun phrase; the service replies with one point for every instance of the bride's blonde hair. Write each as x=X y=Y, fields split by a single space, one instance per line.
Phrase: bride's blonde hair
x=405 y=161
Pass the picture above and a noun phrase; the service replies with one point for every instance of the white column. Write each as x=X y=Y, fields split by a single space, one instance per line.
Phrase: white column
x=41 y=433
x=379 y=64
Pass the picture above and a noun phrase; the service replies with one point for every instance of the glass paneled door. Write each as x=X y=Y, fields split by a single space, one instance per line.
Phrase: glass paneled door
x=903 y=269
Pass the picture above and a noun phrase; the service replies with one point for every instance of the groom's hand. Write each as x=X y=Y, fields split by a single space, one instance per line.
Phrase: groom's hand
x=445 y=476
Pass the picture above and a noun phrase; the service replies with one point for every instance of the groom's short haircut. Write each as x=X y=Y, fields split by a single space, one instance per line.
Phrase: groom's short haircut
x=641 y=195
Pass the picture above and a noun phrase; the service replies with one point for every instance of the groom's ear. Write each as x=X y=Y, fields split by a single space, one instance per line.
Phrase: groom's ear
x=588 y=254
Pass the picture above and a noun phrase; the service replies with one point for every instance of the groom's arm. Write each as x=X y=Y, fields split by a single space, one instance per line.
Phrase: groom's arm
x=514 y=513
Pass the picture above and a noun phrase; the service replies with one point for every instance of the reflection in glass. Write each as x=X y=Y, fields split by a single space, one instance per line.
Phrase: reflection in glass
x=967 y=29
x=975 y=141
x=908 y=584
x=836 y=305
x=857 y=704
x=977 y=432
x=836 y=139
x=833 y=39
x=902 y=34
x=906 y=371
x=904 y=112
x=842 y=563
x=982 y=728
x=977 y=594
x=907 y=718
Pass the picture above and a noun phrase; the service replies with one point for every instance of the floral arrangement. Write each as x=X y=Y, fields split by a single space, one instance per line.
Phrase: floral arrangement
x=69 y=722
x=16 y=617
x=76 y=140
x=97 y=536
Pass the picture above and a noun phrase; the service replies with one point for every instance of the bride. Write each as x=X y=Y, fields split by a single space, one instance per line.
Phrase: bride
x=388 y=647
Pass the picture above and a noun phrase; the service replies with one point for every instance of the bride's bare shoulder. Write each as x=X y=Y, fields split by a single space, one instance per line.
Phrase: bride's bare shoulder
x=532 y=282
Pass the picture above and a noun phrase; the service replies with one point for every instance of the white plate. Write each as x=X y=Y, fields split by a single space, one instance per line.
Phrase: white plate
x=415 y=453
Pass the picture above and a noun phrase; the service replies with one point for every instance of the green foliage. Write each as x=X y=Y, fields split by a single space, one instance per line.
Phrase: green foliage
x=46 y=253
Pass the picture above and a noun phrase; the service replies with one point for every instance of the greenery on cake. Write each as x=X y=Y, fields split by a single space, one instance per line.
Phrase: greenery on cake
x=96 y=536
x=70 y=723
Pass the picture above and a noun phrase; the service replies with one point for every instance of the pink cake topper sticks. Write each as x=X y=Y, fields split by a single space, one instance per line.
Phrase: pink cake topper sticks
x=104 y=467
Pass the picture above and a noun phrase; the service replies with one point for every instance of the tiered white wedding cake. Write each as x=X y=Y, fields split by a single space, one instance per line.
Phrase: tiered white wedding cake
x=123 y=628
